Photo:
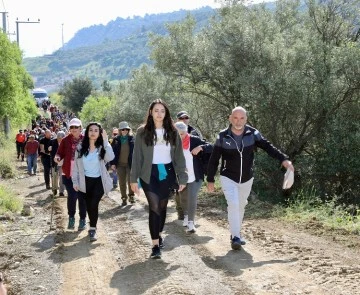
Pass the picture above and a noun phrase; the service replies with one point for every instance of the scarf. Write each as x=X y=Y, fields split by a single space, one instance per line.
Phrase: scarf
x=186 y=142
x=123 y=139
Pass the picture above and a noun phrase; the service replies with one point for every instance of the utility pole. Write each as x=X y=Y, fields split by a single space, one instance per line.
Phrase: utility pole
x=62 y=36
x=4 y=20
x=23 y=22
x=6 y=118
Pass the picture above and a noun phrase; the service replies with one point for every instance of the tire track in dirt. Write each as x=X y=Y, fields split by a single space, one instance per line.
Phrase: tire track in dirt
x=200 y=263
x=327 y=263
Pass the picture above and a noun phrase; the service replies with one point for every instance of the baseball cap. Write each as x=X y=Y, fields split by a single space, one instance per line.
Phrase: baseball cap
x=288 y=179
x=182 y=114
x=75 y=122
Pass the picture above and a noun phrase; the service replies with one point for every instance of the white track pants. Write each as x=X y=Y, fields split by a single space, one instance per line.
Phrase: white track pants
x=236 y=195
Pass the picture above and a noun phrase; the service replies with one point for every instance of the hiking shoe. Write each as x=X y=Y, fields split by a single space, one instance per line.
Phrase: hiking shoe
x=92 y=235
x=71 y=223
x=242 y=241
x=235 y=243
x=82 y=224
x=131 y=199
x=186 y=220
x=161 y=242
x=155 y=252
x=180 y=215
x=191 y=227
x=61 y=195
x=124 y=203
x=48 y=186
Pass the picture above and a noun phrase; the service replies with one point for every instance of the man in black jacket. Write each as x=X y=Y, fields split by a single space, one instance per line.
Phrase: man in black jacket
x=235 y=147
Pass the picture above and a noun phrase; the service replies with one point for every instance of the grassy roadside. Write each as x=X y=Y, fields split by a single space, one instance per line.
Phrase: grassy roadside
x=9 y=203
x=305 y=209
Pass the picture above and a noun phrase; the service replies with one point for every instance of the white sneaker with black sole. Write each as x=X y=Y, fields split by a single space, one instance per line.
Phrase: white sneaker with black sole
x=191 y=227
x=186 y=220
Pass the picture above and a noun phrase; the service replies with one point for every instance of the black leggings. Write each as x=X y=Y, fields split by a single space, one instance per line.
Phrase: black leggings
x=93 y=195
x=157 y=193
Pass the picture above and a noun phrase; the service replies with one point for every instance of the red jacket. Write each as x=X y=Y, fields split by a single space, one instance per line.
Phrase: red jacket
x=66 y=151
x=32 y=147
x=21 y=137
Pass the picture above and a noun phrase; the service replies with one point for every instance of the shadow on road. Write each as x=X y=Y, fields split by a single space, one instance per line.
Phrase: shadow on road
x=235 y=262
x=136 y=278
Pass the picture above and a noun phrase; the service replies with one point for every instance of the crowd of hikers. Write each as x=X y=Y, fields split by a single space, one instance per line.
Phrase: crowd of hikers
x=164 y=157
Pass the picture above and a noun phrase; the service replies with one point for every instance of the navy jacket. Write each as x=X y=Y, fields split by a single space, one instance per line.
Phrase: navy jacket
x=116 y=145
x=196 y=141
x=237 y=161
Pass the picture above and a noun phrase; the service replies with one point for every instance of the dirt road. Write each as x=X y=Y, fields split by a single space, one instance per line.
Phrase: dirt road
x=278 y=258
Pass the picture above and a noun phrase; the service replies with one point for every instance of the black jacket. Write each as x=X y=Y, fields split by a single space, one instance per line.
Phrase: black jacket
x=237 y=161
x=196 y=141
x=116 y=145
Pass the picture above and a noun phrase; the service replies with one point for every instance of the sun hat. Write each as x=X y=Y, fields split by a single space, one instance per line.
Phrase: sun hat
x=124 y=125
x=75 y=122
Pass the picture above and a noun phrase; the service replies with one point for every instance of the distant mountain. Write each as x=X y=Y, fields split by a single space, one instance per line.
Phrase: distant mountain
x=106 y=52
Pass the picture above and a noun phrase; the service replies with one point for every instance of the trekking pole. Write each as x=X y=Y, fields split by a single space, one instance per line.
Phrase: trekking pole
x=53 y=189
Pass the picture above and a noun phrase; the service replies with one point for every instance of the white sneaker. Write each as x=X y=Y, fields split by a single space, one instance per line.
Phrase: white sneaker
x=191 y=227
x=186 y=220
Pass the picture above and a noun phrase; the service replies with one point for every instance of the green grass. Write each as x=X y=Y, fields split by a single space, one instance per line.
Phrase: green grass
x=9 y=203
x=7 y=153
x=307 y=207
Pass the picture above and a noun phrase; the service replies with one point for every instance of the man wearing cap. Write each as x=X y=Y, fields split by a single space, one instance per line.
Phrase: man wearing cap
x=31 y=152
x=58 y=167
x=66 y=152
x=183 y=116
x=235 y=147
x=123 y=146
x=20 y=144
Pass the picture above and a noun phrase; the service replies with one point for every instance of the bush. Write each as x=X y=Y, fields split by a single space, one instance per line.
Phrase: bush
x=9 y=202
x=7 y=148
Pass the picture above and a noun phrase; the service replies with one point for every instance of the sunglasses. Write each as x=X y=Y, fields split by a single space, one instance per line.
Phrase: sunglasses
x=74 y=127
x=124 y=129
x=114 y=134
x=184 y=118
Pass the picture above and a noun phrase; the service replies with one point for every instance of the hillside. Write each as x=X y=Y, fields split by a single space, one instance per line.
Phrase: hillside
x=109 y=51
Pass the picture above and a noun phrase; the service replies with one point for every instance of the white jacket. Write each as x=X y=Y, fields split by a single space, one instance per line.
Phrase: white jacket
x=78 y=171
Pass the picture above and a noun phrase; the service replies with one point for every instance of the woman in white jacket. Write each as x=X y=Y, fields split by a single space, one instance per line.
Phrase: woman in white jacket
x=89 y=175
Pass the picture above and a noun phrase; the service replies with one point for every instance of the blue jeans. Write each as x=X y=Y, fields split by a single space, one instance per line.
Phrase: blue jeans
x=73 y=196
x=114 y=176
x=32 y=162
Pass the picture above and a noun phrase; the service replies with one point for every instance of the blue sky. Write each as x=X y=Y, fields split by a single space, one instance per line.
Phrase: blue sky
x=66 y=17
x=46 y=36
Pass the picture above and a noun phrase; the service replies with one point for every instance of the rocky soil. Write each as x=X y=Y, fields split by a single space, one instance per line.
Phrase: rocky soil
x=39 y=257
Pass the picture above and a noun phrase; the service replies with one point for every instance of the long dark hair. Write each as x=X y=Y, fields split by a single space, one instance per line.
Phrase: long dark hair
x=99 y=143
x=168 y=125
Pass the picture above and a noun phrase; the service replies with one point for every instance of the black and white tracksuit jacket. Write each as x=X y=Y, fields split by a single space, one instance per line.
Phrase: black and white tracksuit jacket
x=237 y=161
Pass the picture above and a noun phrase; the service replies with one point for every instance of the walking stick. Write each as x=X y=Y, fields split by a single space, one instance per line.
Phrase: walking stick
x=54 y=186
